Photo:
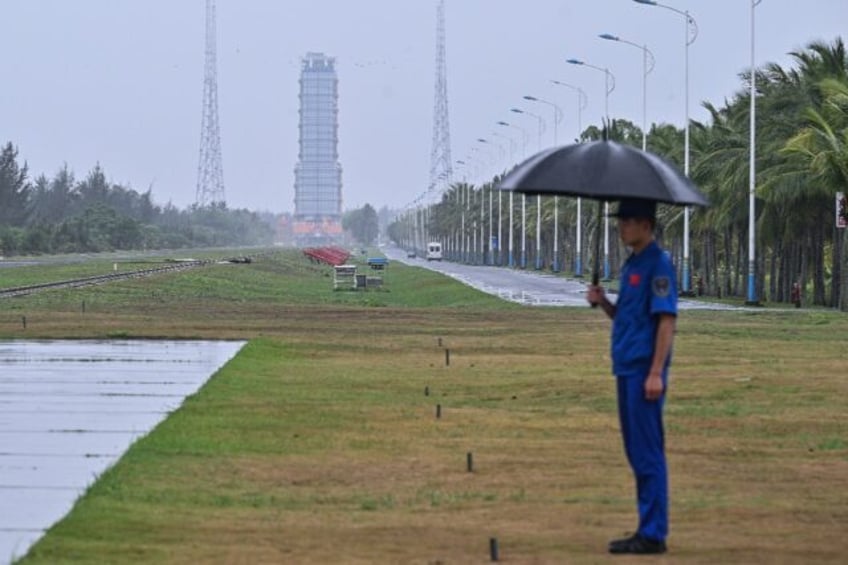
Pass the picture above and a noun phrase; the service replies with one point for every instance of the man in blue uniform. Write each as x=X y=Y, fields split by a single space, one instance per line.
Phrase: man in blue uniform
x=643 y=320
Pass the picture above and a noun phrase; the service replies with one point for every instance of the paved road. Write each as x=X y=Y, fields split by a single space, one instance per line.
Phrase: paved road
x=525 y=287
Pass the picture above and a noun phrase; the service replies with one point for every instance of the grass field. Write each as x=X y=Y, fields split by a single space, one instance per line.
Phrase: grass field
x=318 y=444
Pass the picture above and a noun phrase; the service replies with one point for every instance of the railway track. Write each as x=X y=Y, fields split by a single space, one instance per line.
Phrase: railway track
x=100 y=279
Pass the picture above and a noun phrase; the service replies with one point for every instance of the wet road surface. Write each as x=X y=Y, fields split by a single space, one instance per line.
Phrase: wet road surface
x=535 y=288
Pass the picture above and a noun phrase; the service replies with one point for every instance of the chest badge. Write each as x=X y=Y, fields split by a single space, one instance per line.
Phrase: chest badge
x=635 y=279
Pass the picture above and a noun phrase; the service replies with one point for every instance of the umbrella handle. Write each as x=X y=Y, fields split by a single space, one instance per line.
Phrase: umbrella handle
x=596 y=260
x=595 y=279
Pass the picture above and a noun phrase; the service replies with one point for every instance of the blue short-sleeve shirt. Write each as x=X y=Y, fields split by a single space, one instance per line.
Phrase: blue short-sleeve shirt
x=648 y=288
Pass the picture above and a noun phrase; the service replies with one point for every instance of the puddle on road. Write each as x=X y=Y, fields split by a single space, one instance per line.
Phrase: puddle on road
x=70 y=409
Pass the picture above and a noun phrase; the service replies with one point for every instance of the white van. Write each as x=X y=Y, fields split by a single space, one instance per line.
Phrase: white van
x=434 y=251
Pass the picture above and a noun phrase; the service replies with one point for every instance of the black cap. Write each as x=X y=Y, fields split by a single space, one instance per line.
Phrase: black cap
x=636 y=208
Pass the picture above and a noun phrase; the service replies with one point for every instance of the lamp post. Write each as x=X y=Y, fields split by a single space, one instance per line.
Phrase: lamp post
x=557 y=118
x=498 y=243
x=609 y=84
x=491 y=259
x=483 y=255
x=510 y=143
x=557 y=114
x=523 y=136
x=472 y=236
x=511 y=256
x=523 y=262
x=500 y=194
x=582 y=102
x=541 y=122
x=468 y=224
x=461 y=243
x=752 y=174
x=691 y=33
x=470 y=221
x=415 y=229
x=646 y=70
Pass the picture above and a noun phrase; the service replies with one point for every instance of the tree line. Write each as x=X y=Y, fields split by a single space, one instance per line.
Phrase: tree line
x=362 y=224
x=801 y=164
x=63 y=215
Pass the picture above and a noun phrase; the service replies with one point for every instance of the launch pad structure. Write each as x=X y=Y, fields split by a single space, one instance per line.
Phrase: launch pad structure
x=318 y=173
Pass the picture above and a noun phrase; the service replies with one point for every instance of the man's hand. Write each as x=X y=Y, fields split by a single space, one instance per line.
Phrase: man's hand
x=662 y=349
x=595 y=295
x=653 y=386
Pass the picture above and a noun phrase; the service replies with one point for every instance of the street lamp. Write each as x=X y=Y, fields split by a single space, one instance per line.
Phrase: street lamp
x=511 y=144
x=609 y=83
x=461 y=243
x=511 y=256
x=691 y=33
x=497 y=243
x=491 y=260
x=752 y=174
x=538 y=196
x=646 y=69
x=557 y=118
x=500 y=195
x=582 y=102
x=468 y=230
x=523 y=136
x=541 y=122
x=557 y=112
x=472 y=237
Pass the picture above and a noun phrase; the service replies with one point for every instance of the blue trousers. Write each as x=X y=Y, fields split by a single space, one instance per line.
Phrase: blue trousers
x=644 y=444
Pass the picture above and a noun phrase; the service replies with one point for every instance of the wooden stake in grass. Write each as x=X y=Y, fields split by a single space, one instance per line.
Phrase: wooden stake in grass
x=23 y=321
x=493 y=549
x=469 y=460
x=440 y=342
x=447 y=357
x=426 y=391
x=83 y=306
x=438 y=410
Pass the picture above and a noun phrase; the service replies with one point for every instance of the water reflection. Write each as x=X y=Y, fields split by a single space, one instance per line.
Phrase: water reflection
x=69 y=409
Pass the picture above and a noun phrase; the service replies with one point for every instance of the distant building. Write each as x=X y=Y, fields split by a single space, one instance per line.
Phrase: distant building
x=318 y=174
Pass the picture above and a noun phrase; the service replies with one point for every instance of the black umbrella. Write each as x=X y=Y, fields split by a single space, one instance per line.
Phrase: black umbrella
x=604 y=171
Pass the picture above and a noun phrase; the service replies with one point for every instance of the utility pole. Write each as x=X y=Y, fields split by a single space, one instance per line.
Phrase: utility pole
x=210 y=174
x=440 y=157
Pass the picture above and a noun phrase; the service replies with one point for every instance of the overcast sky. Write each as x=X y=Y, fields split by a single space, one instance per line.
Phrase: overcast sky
x=119 y=82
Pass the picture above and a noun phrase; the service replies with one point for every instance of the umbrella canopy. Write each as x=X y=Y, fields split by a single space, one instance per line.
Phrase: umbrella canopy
x=603 y=170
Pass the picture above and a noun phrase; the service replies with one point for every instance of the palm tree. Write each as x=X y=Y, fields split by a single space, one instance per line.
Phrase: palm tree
x=815 y=152
x=720 y=167
x=823 y=146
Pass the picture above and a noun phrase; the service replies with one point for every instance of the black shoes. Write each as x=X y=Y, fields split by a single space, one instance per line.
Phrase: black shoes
x=637 y=544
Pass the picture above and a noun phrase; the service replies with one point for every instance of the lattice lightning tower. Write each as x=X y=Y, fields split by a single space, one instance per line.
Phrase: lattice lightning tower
x=441 y=168
x=210 y=174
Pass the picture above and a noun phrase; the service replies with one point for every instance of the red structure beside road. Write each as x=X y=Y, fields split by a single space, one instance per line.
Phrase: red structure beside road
x=331 y=255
